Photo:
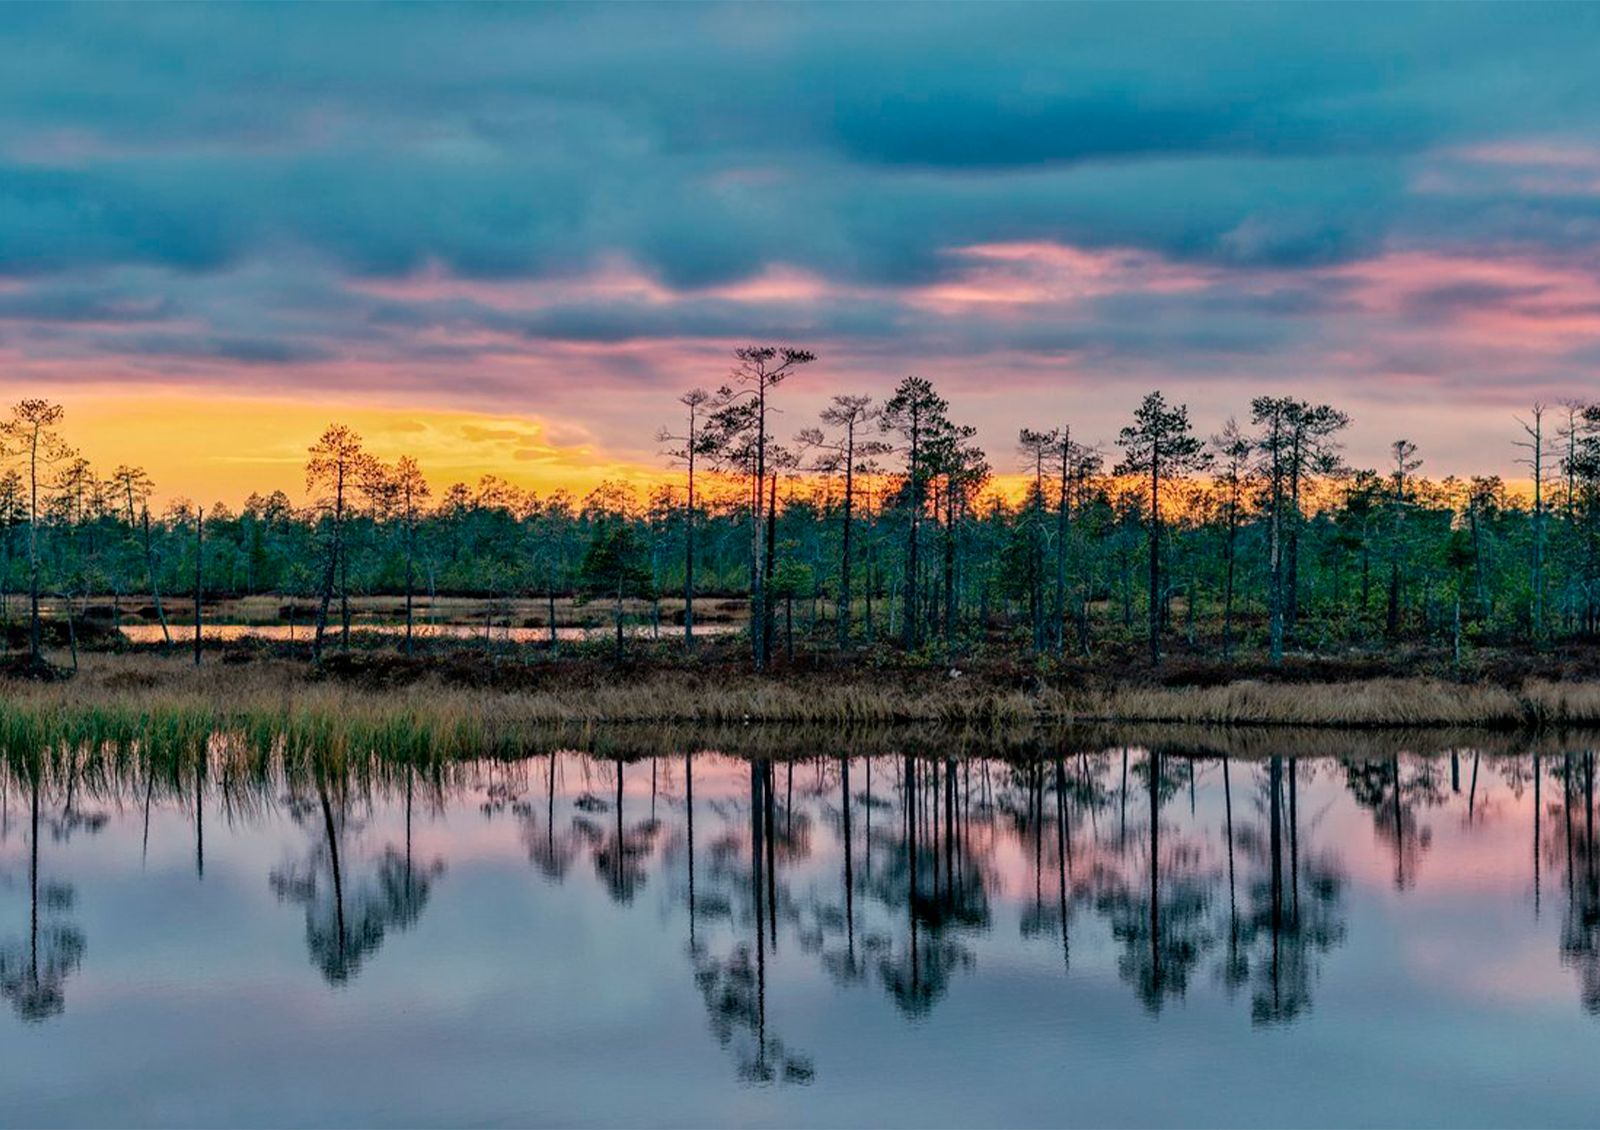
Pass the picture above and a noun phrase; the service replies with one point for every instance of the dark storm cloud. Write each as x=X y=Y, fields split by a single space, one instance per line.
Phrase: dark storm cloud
x=526 y=140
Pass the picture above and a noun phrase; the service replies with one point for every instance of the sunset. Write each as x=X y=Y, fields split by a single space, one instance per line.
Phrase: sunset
x=788 y=564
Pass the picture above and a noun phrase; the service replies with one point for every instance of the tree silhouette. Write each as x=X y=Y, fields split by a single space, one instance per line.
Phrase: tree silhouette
x=740 y=422
x=337 y=466
x=917 y=414
x=1160 y=444
x=694 y=442
x=844 y=452
x=31 y=434
x=616 y=566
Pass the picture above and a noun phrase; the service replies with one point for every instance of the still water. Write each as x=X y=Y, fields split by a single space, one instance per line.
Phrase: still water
x=181 y=634
x=1092 y=936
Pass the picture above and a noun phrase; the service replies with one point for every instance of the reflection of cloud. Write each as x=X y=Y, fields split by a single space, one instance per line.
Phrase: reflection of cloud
x=1520 y=976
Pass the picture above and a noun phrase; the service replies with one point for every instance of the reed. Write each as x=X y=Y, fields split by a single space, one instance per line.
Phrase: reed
x=168 y=710
x=1373 y=702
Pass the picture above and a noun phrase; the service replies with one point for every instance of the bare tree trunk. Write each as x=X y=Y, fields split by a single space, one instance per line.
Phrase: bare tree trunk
x=618 y=608
x=550 y=599
x=1227 y=591
x=199 y=565
x=411 y=535
x=72 y=631
x=344 y=599
x=1063 y=528
x=688 y=564
x=155 y=584
x=843 y=614
x=1155 y=556
x=768 y=619
x=335 y=552
x=35 y=644
x=909 y=626
x=758 y=595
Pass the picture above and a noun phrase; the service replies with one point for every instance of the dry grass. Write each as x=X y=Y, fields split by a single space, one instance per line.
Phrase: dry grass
x=152 y=698
x=1563 y=704
x=1373 y=702
x=121 y=698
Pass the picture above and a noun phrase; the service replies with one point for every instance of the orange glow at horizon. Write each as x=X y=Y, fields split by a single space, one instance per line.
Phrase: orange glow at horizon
x=224 y=448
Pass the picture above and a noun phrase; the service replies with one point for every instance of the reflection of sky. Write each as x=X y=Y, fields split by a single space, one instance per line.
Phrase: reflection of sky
x=515 y=998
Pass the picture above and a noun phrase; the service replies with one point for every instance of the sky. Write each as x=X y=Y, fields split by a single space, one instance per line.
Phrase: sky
x=506 y=238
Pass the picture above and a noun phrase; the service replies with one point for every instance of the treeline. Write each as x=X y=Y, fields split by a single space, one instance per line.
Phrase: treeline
x=883 y=523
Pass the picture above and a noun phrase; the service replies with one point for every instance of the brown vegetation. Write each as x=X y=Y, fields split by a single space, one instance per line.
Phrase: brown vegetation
x=499 y=693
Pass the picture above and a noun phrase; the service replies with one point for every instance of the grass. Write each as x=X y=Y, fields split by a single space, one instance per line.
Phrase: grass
x=128 y=687
x=475 y=705
x=1386 y=702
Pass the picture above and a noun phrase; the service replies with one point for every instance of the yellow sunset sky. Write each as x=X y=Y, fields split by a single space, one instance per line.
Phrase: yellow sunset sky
x=223 y=448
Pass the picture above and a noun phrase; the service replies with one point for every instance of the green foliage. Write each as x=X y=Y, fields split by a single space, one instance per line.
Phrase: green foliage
x=616 y=565
x=1302 y=547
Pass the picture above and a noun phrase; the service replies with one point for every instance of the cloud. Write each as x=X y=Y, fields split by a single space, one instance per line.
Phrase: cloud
x=477 y=434
x=243 y=350
x=575 y=212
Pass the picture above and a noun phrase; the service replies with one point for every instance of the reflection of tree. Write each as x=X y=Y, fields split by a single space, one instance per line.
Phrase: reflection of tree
x=734 y=989
x=1235 y=970
x=349 y=914
x=1394 y=799
x=733 y=986
x=1519 y=773
x=826 y=926
x=846 y=967
x=620 y=852
x=1580 y=926
x=931 y=876
x=1053 y=916
x=34 y=971
x=1161 y=926
x=551 y=853
x=1275 y=946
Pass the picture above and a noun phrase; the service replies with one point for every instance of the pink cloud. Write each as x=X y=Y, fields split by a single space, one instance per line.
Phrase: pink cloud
x=1021 y=274
x=1538 y=306
x=1552 y=153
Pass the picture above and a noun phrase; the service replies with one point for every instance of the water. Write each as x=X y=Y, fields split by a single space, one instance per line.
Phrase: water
x=822 y=940
x=184 y=633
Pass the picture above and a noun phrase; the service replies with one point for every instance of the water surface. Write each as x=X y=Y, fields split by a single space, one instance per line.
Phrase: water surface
x=1086 y=936
x=181 y=633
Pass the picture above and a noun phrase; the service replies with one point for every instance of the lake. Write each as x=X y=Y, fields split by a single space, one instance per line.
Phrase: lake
x=1072 y=936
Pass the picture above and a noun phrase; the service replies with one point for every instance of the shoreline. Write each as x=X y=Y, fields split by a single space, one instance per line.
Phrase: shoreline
x=458 y=701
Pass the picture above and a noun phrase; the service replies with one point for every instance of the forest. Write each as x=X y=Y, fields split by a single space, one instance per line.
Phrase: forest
x=881 y=528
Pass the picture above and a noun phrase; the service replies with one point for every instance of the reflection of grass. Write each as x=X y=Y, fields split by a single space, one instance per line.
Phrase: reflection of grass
x=162 y=699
